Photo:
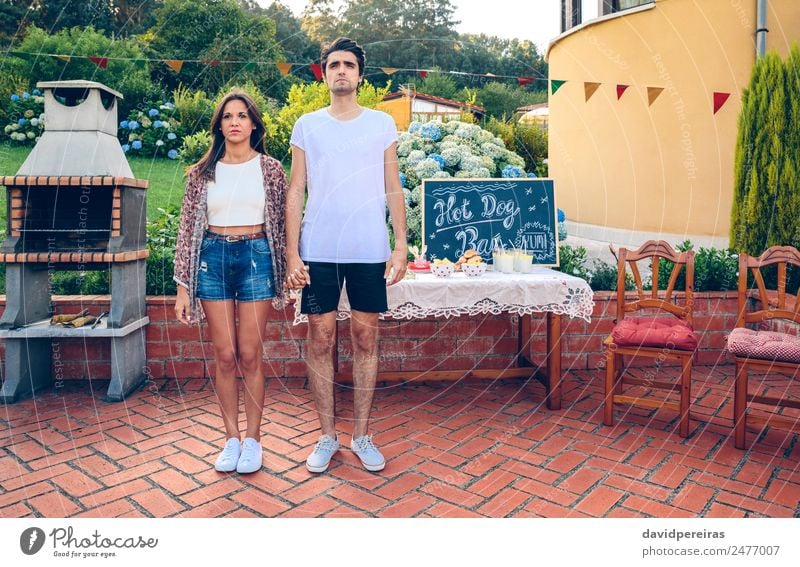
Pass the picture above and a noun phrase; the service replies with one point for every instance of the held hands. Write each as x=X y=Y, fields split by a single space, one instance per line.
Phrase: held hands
x=396 y=267
x=297 y=275
x=182 y=305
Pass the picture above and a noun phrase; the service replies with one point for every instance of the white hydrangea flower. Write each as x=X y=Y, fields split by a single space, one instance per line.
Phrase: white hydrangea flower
x=494 y=152
x=415 y=156
x=482 y=172
x=442 y=175
x=427 y=168
x=470 y=162
x=451 y=156
x=404 y=148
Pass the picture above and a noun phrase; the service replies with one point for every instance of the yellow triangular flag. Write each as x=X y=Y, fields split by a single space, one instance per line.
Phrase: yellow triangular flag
x=653 y=93
x=174 y=64
x=590 y=88
x=66 y=58
x=284 y=68
x=389 y=70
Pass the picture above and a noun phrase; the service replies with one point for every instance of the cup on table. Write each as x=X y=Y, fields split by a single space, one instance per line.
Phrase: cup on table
x=523 y=262
x=503 y=261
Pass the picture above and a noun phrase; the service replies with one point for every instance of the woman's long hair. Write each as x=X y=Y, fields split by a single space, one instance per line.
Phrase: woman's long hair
x=206 y=166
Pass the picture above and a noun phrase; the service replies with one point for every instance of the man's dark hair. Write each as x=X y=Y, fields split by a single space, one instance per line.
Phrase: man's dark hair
x=344 y=44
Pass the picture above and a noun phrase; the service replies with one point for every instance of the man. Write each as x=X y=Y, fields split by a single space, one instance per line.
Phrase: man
x=346 y=156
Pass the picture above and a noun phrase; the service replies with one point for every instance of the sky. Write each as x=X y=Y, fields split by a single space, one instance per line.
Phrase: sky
x=537 y=21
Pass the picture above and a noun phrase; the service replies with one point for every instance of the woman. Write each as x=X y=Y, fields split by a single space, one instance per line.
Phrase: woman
x=229 y=258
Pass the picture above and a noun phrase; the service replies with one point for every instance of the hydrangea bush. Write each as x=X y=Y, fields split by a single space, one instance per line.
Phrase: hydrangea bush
x=152 y=132
x=436 y=150
x=26 y=114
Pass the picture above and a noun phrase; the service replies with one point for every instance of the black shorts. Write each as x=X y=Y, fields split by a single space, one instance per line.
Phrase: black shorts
x=366 y=287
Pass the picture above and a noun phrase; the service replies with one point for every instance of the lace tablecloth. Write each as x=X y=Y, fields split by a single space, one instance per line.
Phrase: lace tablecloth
x=543 y=290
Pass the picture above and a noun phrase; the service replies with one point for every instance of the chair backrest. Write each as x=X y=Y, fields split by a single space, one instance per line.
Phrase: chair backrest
x=655 y=251
x=775 y=303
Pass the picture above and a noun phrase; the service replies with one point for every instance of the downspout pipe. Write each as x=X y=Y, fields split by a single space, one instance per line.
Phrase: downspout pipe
x=761 y=28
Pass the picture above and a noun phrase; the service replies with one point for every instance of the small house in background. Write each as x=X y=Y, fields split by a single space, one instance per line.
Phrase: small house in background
x=407 y=105
x=538 y=114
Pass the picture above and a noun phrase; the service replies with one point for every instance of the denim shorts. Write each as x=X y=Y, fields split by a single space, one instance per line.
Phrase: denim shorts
x=239 y=270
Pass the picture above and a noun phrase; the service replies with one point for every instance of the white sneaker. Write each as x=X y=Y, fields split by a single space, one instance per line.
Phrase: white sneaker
x=320 y=457
x=370 y=456
x=226 y=462
x=251 y=457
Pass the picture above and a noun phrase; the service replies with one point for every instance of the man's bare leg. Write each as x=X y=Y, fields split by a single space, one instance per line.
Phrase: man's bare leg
x=364 y=333
x=319 y=360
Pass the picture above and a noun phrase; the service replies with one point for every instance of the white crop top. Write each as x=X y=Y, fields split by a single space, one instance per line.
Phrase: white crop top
x=236 y=196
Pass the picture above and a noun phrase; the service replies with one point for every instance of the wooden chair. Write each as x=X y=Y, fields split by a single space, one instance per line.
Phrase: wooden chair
x=764 y=350
x=658 y=337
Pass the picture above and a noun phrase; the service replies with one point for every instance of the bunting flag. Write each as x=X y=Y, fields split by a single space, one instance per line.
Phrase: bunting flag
x=423 y=74
x=589 y=89
x=284 y=68
x=555 y=85
x=211 y=62
x=389 y=70
x=719 y=100
x=522 y=81
x=101 y=62
x=621 y=90
x=174 y=64
x=316 y=68
x=250 y=67
x=66 y=58
x=653 y=93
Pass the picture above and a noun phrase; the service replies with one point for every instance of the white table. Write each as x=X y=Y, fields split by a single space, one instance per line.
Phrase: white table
x=542 y=291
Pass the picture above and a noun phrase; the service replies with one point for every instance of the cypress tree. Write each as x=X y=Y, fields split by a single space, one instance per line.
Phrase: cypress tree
x=760 y=158
x=788 y=203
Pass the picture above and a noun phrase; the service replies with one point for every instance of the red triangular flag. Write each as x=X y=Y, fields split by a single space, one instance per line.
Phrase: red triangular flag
x=621 y=90
x=719 y=100
x=316 y=68
x=101 y=62
x=522 y=81
x=210 y=62
x=423 y=74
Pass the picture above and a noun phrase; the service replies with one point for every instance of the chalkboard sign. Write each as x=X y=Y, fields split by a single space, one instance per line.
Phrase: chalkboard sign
x=484 y=214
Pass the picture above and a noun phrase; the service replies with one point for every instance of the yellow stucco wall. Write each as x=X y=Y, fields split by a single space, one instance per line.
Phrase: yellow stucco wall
x=399 y=109
x=666 y=167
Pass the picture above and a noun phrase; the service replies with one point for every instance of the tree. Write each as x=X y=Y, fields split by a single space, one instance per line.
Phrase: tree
x=501 y=99
x=438 y=84
x=55 y=15
x=766 y=199
x=133 y=17
x=212 y=32
x=295 y=43
x=127 y=71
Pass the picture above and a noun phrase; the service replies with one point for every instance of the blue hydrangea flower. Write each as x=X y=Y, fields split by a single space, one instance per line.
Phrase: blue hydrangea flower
x=439 y=159
x=561 y=216
x=158 y=124
x=532 y=175
x=26 y=95
x=171 y=136
x=153 y=112
x=402 y=180
x=133 y=125
x=168 y=105
x=126 y=147
x=414 y=127
x=22 y=122
x=172 y=154
x=36 y=92
x=123 y=124
x=431 y=131
x=137 y=145
x=511 y=171
x=15 y=97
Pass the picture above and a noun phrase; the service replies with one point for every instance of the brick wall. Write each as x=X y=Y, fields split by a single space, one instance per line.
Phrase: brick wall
x=487 y=341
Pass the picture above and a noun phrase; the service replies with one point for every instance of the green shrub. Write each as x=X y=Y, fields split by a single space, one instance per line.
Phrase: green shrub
x=573 y=261
x=194 y=146
x=194 y=109
x=162 y=235
x=604 y=277
x=153 y=132
x=527 y=140
x=94 y=282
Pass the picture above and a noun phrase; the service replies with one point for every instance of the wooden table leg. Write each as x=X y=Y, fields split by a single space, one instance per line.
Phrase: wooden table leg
x=553 y=361
x=524 y=341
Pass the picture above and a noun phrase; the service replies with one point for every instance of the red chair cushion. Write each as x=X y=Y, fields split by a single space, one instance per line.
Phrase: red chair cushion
x=766 y=345
x=655 y=332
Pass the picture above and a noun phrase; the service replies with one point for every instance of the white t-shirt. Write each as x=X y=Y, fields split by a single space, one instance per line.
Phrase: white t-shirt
x=345 y=216
x=236 y=196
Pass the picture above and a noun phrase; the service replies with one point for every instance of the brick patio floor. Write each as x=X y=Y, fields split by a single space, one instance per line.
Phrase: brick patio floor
x=463 y=449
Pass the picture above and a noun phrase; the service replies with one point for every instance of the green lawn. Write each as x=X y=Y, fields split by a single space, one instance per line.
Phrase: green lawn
x=165 y=177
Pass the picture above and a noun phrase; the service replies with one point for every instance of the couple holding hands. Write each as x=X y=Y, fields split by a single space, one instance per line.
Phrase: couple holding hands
x=244 y=239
